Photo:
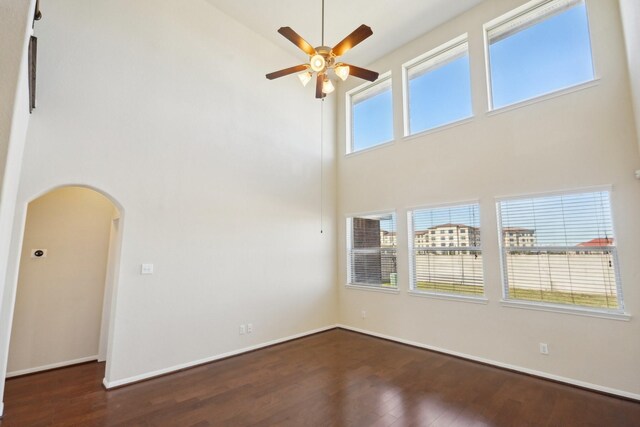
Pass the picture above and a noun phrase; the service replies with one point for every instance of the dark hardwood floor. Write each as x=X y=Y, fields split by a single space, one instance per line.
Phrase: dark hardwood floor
x=336 y=378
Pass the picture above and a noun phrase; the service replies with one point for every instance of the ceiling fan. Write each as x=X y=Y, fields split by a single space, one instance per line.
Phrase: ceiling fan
x=323 y=59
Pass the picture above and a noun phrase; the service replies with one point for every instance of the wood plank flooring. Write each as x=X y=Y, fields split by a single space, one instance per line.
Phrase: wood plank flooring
x=336 y=378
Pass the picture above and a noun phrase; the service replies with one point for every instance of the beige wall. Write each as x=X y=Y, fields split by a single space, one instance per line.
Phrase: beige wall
x=580 y=139
x=15 y=26
x=163 y=105
x=59 y=301
x=631 y=24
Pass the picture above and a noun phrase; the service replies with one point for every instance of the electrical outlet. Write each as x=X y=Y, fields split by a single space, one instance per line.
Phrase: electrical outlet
x=243 y=329
x=544 y=348
x=364 y=314
x=249 y=328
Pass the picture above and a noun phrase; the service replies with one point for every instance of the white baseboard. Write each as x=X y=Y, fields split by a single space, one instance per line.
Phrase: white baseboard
x=1 y=409
x=51 y=366
x=528 y=371
x=147 y=375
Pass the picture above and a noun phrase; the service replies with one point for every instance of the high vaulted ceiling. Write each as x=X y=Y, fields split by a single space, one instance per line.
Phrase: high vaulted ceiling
x=394 y=22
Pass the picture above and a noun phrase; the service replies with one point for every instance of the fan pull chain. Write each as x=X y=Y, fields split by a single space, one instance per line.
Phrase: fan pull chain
x=322 y=165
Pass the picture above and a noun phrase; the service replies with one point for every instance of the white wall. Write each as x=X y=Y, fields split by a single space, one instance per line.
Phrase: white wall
x=581 y=139
x=164 y=106
x=58 y=310
x=15 y=25
x=631 y=24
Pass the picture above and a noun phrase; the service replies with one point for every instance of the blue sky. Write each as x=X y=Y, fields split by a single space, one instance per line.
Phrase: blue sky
x=427 y=218
x=373 y=121
x=563 y=220
x=551 y=55
x=559 y=220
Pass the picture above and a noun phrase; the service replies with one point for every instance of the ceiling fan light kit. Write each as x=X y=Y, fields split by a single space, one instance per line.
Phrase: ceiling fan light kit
x=322 y=59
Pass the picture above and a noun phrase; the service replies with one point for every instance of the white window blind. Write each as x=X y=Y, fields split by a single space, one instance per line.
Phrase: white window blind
x=560 y=249
x=528 y=17
x=369 y=90
x=437 y=58
x=371 y=250
x=445 y=250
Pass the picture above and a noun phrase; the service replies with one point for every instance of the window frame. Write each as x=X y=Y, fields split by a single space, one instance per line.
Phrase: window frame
x=433 y=54
x=607 y=313
x=481 y=298
x=349 y=95
x=348 y=246
x=510 y=16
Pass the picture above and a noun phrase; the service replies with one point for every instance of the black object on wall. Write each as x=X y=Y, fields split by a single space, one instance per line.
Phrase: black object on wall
x=33 y=55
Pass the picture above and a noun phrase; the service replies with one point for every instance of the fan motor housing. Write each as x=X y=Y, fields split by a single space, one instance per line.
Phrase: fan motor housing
x=327 y=54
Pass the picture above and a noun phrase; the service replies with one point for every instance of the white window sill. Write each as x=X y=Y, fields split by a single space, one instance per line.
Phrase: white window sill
x=545 y=97
x=449 y=297
x=373 y=289
x=576 y=311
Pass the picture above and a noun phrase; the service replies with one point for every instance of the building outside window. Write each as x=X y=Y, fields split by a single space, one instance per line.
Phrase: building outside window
x=563 y=252
x=453 y=268
x=371 y=250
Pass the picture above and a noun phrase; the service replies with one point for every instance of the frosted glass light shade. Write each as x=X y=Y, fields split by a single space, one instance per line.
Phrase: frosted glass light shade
x=327 y=86
x=342 y=71
x=305 y=78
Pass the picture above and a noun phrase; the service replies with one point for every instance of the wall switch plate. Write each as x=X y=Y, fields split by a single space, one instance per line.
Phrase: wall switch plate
x=544 y=348
x=146 y=269
x=364 y=314
x=243 y=330
x=638 y=174
x=38 y=253
x=249 y=328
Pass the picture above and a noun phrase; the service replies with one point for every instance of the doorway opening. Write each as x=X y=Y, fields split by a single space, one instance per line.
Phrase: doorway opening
x=66 y=280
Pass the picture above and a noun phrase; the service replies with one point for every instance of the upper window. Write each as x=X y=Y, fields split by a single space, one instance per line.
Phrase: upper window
x=456 y=270
x=537 y=49
x=560 y=250
x=438 y=87
x=370 y=112
x=371 y=250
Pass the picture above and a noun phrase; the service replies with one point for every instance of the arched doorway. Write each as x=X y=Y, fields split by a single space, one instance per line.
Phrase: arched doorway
x=67 y=274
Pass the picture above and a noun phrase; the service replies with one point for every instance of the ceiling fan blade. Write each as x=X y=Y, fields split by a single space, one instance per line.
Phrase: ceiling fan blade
x=319 y=80
x=286 y=72
x=357 y=36
x=362 y=73
x=295 y=38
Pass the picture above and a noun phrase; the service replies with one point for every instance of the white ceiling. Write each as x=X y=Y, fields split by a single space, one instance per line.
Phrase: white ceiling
x=394 y=23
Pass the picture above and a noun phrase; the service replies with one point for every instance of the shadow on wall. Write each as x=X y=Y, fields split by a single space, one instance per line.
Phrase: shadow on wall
x=62 y=304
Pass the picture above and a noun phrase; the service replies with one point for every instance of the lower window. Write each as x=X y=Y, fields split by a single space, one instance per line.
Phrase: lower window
x=371 y=250
x=560 y=250
x=454 y=268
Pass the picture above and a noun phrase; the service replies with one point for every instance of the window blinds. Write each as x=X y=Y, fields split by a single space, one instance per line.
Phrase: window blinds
x=370 y=90
x=445 y=250
x=372 y=250
x=560 y=249
x=528 y=17
x=436 y=59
